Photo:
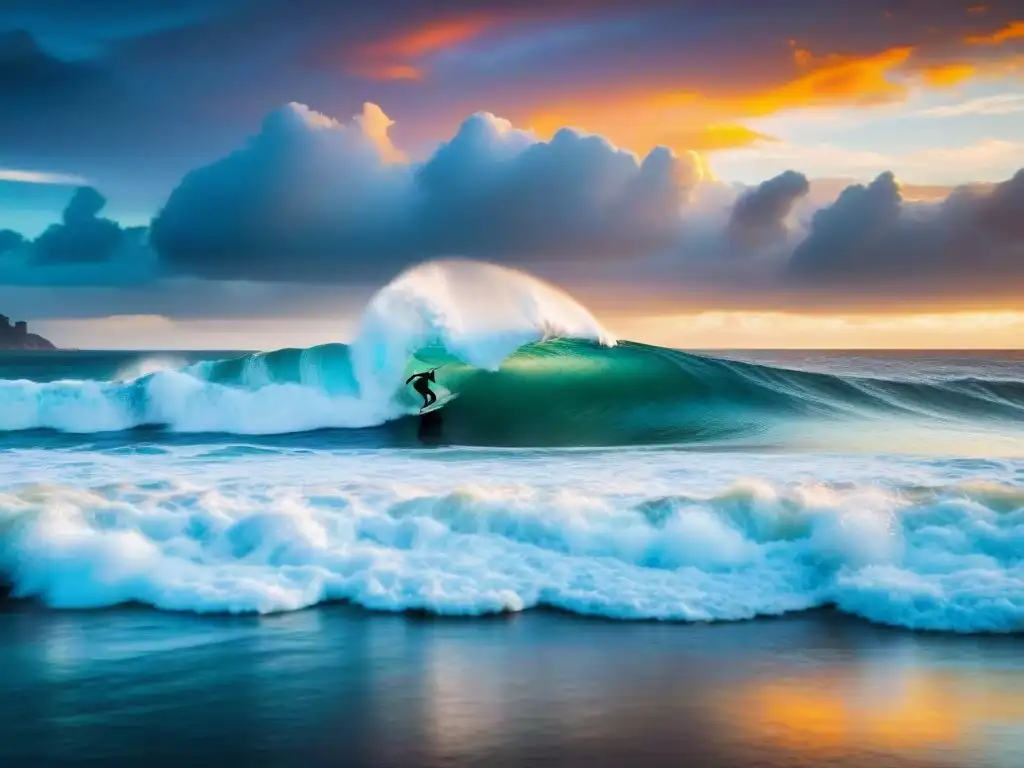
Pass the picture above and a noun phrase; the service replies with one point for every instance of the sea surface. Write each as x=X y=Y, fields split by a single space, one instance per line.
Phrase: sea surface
x=598 y=549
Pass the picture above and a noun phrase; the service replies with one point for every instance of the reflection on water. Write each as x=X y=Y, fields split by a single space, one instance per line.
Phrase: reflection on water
x=465 y=703
x=335 y=686
x=914 y=711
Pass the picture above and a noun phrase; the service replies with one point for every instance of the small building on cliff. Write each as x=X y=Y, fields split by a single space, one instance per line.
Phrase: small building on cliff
x=16 y=336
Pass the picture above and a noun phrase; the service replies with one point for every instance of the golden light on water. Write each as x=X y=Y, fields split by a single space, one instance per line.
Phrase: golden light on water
x=905 y=710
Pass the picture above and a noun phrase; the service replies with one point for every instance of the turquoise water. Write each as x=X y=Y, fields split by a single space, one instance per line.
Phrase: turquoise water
x=559 y=393
x=626 y=481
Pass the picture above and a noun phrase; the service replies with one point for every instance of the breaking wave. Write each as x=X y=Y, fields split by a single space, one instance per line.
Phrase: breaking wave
x=947 y=557
x=531 y=365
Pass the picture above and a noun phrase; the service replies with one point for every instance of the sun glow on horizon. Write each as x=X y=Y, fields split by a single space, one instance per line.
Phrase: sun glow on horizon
x=786 y=330
x=1001 y=330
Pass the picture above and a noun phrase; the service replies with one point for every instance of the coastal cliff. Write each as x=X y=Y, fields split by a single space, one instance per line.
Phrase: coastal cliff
x=16 y=336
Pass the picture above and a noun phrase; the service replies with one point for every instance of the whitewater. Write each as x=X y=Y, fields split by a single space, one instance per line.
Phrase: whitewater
x=576 y=471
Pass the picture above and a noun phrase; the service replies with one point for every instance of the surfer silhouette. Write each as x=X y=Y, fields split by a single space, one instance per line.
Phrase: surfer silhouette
x=421 y=383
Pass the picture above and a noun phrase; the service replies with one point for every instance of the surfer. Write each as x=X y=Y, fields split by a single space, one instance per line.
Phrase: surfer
x=421 y=383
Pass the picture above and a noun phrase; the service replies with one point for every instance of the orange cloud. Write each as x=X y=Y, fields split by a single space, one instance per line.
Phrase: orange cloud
x=431 y=37
x=831 y=81
x=977 y=9
x=948 y=75
x=836 y=81
x=1012 y=31
x=711 y=122
x=392 y=58
x=711 y=138
x=801 y=56
x=636 y=116
x=392 y=72
x=952 y=73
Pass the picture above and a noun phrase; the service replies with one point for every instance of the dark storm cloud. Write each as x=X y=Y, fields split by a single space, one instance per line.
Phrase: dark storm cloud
x=83 y=236
x=493 y=191
x=84 y=249
x=10 y=240
x=759 y=216
x=25 y=68
x=311 y=199
x=871 y=239
x=79 y=28
x=869 y=250
x=51 y=109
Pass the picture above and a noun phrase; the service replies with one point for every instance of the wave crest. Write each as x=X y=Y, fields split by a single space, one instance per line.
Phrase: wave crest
x=478 y=313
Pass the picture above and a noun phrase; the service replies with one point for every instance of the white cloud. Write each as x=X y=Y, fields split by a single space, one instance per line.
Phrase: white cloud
x=41 y=177
x=987 y=159
x=984 y=153
x=1000 y=104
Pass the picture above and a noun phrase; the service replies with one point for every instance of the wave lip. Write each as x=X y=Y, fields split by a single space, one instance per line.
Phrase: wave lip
x=477 y=313
x=944 y=558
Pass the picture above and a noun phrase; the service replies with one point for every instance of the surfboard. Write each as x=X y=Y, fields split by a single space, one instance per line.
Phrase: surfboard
x=441 y=402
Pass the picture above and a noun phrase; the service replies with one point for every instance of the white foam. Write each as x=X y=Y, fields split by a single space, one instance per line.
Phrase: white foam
x=182 y=403
x=629 y=535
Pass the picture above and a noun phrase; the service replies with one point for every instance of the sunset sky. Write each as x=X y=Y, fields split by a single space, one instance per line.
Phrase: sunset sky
x=700 y=173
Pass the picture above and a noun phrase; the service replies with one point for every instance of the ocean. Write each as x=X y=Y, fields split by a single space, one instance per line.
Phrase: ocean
x=599 y=549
